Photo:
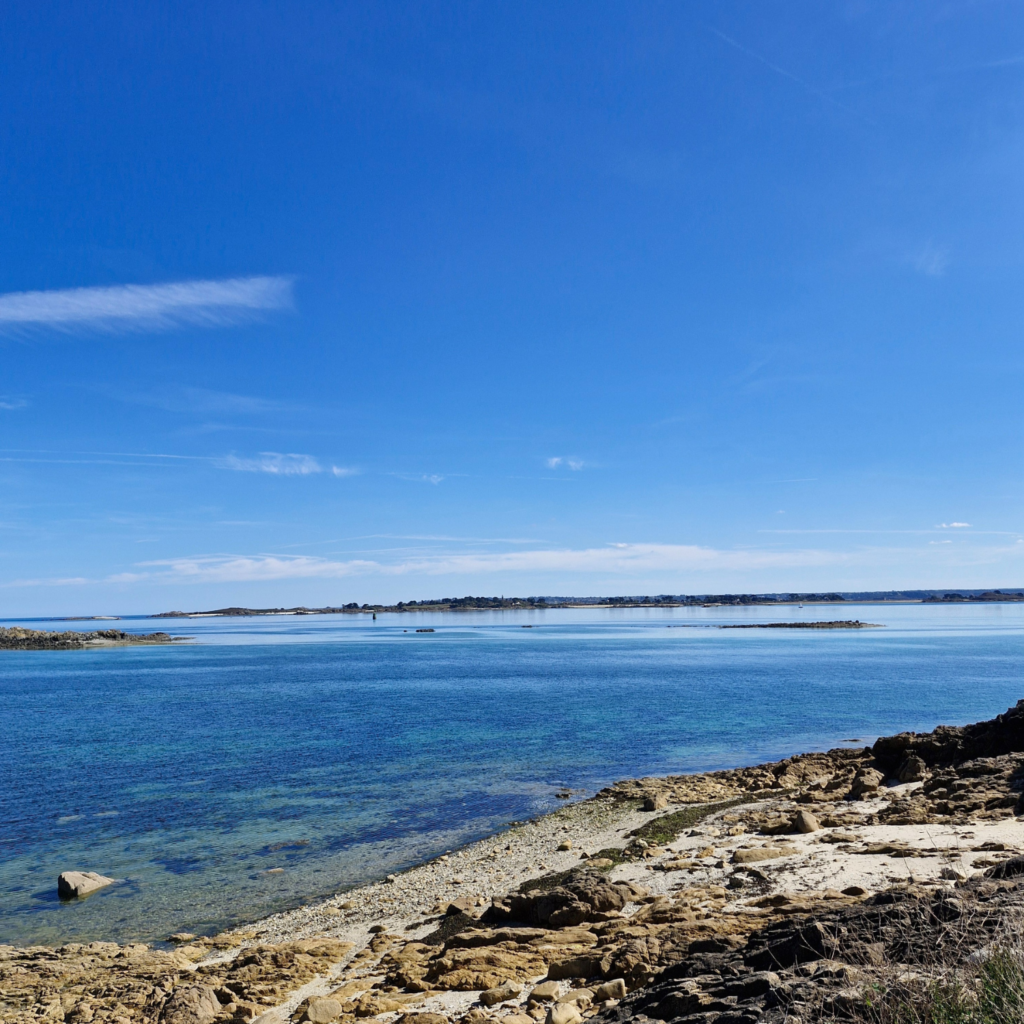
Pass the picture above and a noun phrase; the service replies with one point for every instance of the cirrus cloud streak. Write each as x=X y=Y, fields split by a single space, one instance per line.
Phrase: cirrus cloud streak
x=616 y=559
x=146 y=306
x=275 y=463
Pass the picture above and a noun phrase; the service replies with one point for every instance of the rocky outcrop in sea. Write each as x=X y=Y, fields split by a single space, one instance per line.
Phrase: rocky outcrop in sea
x=16 y=638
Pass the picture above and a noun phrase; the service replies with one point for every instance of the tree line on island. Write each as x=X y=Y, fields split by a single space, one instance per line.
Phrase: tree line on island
x=457 y=604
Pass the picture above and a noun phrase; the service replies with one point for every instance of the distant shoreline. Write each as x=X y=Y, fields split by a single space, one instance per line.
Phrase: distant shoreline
x=475 y=604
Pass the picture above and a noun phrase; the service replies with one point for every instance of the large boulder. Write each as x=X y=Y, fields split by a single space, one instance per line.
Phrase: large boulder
x=582 y=896
x=322 y=1010
x=500 y=993
x=866 y=783
x=913 y=769
x=72 y=884
x=194 y=1004
x=806 y=822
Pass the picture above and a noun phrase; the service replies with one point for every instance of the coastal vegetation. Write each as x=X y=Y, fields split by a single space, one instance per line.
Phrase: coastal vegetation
x=459 y=604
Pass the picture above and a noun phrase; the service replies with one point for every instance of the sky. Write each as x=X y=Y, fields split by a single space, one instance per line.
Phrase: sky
x=328 y=302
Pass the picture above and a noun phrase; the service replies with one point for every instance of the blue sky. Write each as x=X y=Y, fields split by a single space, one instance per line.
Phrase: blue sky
x=329 y=302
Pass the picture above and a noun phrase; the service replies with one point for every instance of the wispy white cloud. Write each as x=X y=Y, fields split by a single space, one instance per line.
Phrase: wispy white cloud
x=615 y=559
x=276 y=463
x=679 y=567
x=146 y=306
x=204 y=401
x=562 y=460
x=932 y=260
x=953 y=526
x=255 y=568
x=344 y=471
x=433 y=478
x=7 y=402
x=64 y=581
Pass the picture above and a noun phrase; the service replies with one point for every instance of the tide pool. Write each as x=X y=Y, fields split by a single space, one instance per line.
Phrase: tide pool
x=341 y=749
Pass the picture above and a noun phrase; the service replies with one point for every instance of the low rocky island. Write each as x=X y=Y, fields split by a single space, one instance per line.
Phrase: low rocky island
x=834 y=624
x=884 y=883
x=18 y=639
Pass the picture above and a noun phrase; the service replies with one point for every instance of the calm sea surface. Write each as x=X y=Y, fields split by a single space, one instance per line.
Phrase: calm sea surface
x=341 y=749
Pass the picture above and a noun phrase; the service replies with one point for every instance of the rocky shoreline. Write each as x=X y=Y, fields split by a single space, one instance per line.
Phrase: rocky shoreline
x=795 y=890
x=19 y=639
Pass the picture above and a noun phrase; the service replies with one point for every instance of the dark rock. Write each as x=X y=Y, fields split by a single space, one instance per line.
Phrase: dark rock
x=1008 y=869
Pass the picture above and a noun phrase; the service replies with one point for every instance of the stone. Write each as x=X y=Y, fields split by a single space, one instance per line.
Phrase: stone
x=72 y=884
x=913 y=769
x=422 y=1018
x=866 y=783
x=614 y=989
x=563 y=1013
x=545 y=992
x=655 y=803
x=583 y=896
x=806 y=822
x=565 y=844
x=583 y=998
x=1008 y=869
x=322 y=1010
x=463 y=905
x=761 y=853
x=507 y=990
x=194 y=1004
x=574 y=967
x=514 y=1018
x=674 y=865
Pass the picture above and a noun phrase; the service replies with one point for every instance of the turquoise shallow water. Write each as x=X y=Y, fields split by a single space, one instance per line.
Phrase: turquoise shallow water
x=341 y=749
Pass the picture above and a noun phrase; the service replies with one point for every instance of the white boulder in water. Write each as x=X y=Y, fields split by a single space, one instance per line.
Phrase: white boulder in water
x=80 y=883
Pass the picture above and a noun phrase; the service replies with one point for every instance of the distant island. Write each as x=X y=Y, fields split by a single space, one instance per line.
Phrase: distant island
x=18 y=639
x=834 y=624
x=469 y=604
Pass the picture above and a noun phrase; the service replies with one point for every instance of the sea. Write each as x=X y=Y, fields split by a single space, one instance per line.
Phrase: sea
x=340 y=749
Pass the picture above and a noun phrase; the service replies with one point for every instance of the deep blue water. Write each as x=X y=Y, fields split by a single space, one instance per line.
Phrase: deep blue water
x=341 y=749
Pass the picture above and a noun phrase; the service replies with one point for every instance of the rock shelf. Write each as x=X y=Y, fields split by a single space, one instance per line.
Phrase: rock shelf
x=781 y=891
